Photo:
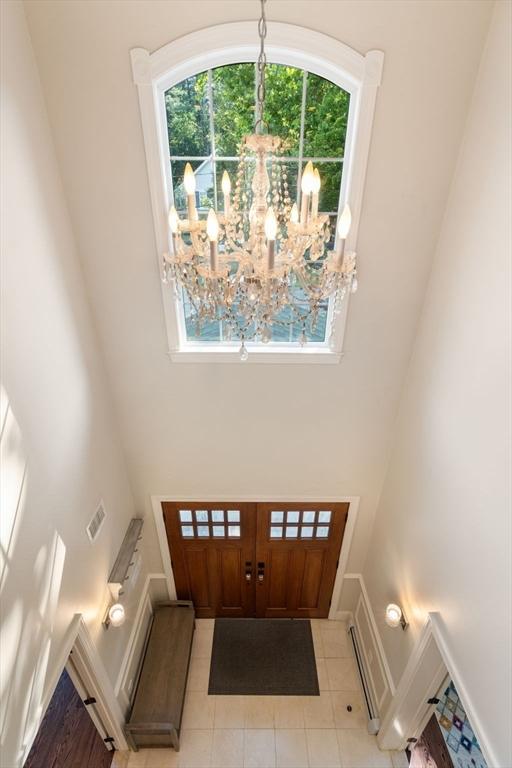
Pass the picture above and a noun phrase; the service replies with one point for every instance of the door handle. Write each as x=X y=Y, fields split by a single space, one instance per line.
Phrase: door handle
x=261 y=572
x=248 y=571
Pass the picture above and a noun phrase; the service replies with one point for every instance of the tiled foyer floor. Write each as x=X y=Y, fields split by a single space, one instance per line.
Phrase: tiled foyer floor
x=272 y=731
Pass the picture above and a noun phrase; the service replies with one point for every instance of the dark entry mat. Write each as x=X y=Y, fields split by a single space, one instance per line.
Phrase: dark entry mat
x=260 y=657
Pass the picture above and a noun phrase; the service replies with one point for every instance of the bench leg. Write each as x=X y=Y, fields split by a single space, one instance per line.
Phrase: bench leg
x=175 y=740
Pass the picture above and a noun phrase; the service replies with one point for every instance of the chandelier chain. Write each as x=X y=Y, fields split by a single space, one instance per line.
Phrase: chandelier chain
x=261 y=64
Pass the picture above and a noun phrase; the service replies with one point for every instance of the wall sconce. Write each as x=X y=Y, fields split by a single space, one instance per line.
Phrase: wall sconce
x=395 y=616
x=115 y=616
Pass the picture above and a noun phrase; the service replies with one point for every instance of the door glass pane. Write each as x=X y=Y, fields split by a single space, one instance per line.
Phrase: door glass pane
x=324 y=517
x=292 y=517
x=308 y=517
x=218 y=515
x=233 y=515
x=201 y=516
x=203 y=531
x=322 y=532
x=187 y=531
x=292 y=532
x=276 y=517
x=276 y=533
x=218 y=530
x=234 y=531
x=185 y=515
x=306 y=532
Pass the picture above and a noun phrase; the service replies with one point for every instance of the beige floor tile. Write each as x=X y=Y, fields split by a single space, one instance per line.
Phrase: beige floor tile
x=356 y=718
x=205 y=624
x=318 y=646
x=291 y=749
x=195 y=749
x=318 y=711
x=199 y=710
x=198 y=675
x=322 y=749
x=359 y=750
x=202 y=644
x=228 y=748
x=321 y=670
x=258 y=711
x=288 y=712
x=138 y=759
x=319 y=623
x=341 y=675
x=259 y=748
x=120 y=759
x=162 y=758
x=333 y=626
x=229 y=712
x=335 y=645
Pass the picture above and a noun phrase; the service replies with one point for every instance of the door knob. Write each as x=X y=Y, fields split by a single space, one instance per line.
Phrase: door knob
x=261 y=572
x=248 y=571
x=248 y=576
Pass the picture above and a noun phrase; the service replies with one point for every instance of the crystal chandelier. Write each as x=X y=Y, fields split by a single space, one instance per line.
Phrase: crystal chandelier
x=261 y=255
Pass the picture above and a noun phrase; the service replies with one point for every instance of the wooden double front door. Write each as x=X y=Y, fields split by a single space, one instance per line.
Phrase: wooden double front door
x=266 y=560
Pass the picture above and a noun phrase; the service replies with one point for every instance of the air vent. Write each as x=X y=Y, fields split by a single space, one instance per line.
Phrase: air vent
x=94 y=527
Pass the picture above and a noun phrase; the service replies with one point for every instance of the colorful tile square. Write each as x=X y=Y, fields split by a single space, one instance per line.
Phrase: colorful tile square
x=445 y=723
x=453 y=743
x=466 y=743
x=457 y=722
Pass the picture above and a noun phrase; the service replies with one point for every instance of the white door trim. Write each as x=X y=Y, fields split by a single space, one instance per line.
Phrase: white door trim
x=389 y=736
x=78 y=640
x=352 y=501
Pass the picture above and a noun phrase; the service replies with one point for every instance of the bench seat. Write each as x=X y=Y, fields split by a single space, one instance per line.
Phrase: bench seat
x=155 y=717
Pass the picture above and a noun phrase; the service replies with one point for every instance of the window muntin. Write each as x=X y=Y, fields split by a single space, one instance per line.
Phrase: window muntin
x=207 y=116
x=210 y=523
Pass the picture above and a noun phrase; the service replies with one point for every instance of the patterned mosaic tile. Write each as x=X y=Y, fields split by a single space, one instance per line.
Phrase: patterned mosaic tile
x=457 y=732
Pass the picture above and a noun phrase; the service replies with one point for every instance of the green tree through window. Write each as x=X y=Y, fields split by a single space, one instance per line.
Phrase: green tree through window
x=308 y=111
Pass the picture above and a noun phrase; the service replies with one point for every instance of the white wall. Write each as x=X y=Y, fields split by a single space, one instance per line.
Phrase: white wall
x=442 y=539
x=318 y=431
x=60 y=453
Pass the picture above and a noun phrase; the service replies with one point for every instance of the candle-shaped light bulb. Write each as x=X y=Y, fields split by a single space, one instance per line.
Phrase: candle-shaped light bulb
x=173 y=220
x=212 y=225
x=316 y=189
x=270 y=224
x=271 y=232
x=212 y=230
x=343 y=228
x=294 y=214
x=226 y=183
x=306 y=186
x=189 y=181
x=226 y=189
x=344 y=222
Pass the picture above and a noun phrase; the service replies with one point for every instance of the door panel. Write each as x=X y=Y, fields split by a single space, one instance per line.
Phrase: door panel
x=297 y=551
x=212 y=554
x=255 y=559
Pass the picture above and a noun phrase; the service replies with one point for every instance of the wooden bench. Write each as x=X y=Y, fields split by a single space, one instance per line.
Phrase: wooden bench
x=155 y=717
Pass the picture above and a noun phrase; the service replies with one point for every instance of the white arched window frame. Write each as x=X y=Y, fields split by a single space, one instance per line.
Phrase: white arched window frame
x=154 y=73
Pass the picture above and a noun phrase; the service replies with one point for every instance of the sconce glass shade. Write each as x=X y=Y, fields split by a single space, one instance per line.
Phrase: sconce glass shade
x=116 y=615
x=393 y=615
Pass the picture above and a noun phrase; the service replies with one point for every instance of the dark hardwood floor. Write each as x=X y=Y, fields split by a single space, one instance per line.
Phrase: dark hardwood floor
x=431 y=751
x=67 y=737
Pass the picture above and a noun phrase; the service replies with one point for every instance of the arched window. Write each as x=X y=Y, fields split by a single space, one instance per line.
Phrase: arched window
x=319 y=97
x=208 y=115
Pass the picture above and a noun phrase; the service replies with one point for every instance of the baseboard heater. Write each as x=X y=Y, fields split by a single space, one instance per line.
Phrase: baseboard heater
x=373 y=715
